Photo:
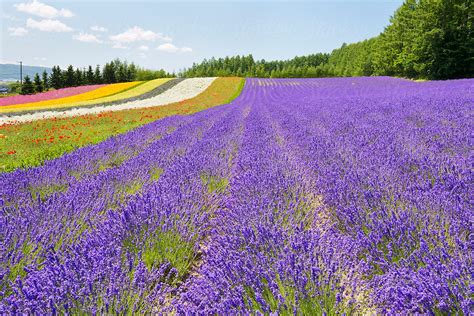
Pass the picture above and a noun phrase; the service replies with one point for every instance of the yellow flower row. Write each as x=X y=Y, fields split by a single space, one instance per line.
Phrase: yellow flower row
x=129 y=93
x=98 y=93
x=134 y=92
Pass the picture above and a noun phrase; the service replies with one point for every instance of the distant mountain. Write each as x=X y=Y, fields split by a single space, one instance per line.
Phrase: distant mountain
x=11 y=72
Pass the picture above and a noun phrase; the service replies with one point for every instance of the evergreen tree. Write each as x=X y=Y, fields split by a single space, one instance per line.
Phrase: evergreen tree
x=89 y=76
x=132 y=72
x=78 y=77
x=38 y=84
x=108 y=73
x=97 y=75
x=27 y=87
x=56 y=78
x=430 y=39
x=121 y=72
x=45 y=80
x=69 y=77
x=447 y=45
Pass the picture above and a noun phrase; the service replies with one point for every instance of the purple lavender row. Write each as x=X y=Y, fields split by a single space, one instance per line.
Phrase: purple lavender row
x=269 y=256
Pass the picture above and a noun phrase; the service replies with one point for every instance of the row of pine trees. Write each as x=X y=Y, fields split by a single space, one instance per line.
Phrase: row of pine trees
x=245 y=66
x=112 y=72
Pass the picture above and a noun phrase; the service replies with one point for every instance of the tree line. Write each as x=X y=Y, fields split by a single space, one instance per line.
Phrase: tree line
x=112 y=72
x=426 y=39
x=246 y=66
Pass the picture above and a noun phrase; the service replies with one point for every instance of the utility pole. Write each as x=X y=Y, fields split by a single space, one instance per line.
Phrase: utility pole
x=21 y=73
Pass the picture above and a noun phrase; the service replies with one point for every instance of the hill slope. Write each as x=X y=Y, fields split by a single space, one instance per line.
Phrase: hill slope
x=11 y=72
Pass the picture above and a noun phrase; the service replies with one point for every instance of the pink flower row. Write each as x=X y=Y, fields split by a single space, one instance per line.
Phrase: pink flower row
x=49 y=95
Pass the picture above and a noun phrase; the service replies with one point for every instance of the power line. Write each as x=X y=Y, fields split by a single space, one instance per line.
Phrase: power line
x=21 y=73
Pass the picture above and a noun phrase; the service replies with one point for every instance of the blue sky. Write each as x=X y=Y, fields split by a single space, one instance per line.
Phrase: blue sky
x=173 y=35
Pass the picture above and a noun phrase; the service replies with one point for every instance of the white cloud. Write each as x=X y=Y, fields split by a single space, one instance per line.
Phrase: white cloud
x=87 y=38
x=9 y=17
x=39 y=61
x=136 y=33
x=97 y=28
x=119 y=46
x=48 y=25
x=142 y=55
x=186 y=49
x=144 y=48
x=17 y=31
x=43 y=10
x=170 y=48
x=7 y=61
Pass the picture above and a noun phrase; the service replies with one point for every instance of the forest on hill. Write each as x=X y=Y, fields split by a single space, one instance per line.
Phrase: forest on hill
x=425 y=39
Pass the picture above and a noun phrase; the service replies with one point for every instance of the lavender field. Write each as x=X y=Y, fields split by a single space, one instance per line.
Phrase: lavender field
x=302 y=196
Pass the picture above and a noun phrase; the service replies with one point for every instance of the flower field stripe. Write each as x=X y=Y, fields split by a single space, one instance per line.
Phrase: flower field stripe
x=130 y=93
x=32 y=143
x=184 y=90
x=133 y=92
x=91 y=95
x=143 y=91
x=49 y=95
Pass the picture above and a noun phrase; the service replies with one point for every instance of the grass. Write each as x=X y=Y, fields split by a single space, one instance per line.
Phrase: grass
x=159 y=247
x=8 y=95
x=44 y=191
x=318 y=300
x=32 y=143
x=30 y=253
x=239 y=90
x=213 y=183
x=169 y=247
x=155 y=174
